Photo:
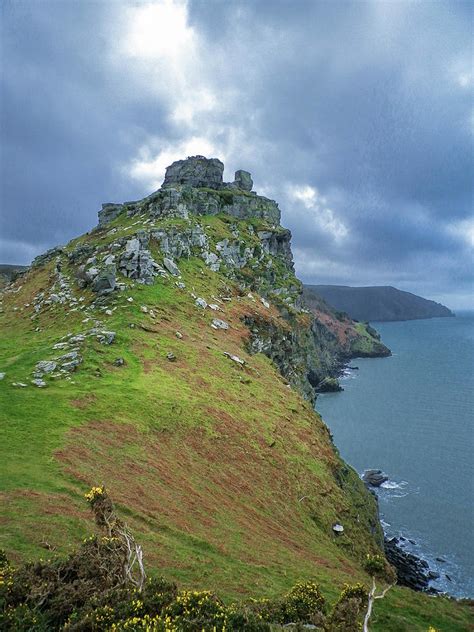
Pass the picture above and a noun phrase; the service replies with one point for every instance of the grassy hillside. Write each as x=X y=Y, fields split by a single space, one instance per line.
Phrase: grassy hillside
x=222 y=470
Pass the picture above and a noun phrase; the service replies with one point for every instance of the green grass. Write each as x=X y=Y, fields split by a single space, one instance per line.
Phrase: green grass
x=206 y=460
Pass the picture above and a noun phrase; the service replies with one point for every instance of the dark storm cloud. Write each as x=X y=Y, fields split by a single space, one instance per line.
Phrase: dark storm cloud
x=355 y=116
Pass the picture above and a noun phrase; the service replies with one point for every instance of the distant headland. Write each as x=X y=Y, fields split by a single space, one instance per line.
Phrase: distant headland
x=378 y=303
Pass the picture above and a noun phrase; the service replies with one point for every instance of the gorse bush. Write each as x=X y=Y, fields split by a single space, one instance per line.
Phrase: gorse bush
x=304 y=602
x=101 y=587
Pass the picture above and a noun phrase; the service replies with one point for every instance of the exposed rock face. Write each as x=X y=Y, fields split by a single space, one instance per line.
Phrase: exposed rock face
x=196 y=171
x=243 y=180
x=195 y=187
x=412 y=571
x=251 y=249
x=375 y=478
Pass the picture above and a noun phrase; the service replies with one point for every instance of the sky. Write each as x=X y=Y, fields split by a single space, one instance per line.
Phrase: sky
x=356 y=116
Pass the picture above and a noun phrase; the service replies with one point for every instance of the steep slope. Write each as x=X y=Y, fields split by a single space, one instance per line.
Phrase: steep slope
x=167 y=354
x=379 y=303
x=351 y=339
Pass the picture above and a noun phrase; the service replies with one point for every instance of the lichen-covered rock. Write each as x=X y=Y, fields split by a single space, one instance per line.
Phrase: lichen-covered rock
x=105 y=281
x=243 y=180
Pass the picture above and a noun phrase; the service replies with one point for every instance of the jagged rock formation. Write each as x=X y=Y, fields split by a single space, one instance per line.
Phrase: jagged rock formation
x=257 y=254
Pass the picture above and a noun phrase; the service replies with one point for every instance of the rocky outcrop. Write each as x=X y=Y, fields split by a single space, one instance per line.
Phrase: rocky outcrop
x=374 y=478
x=196 y=171
x=195 y=187
x=150 y=237
x=412 y=571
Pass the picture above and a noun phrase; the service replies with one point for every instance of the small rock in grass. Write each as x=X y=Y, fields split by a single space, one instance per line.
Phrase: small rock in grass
x=265 y=303
x=171 y=357
x=2 y=375
x=130 y=299
x=180 y=285
x=179 y=335
x=171 y=266
x=200 y=302
x=214 y=307
x=338 y=528
x=20 y=384
x=144 y=309
x=106 y=337
x=217 y=323
x=234 y=358
x=39 y=383
x=119 y=362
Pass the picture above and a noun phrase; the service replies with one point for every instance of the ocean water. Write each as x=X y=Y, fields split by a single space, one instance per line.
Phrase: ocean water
x=412 y=415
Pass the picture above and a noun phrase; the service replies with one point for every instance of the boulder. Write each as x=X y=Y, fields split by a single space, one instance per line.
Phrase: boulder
x=329 y=385
x=374 y=478
x=171 y=267
x=217 y=323
x=105 y=281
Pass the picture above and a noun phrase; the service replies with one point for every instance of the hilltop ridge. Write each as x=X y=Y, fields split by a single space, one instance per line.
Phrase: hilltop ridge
x=169 y=354
x=378 y=303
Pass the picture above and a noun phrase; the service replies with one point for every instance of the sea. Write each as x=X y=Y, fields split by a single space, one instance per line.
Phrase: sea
x=412 y=416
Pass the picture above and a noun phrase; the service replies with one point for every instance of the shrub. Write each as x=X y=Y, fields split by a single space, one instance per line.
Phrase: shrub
x=345 y=613
x=305 y=603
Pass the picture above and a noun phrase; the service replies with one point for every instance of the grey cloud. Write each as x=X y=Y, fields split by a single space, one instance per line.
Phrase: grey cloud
x=360 y=100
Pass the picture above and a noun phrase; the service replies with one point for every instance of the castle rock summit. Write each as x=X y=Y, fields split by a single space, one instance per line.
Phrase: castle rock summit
x=195 y=186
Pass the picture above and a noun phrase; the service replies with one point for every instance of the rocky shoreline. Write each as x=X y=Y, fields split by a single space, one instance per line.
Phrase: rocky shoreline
x=412 y=571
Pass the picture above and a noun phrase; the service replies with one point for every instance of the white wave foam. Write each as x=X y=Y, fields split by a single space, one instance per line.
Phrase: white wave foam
x=394 y=485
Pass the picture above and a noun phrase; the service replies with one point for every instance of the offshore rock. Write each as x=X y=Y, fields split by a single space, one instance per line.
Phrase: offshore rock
x=375 y=478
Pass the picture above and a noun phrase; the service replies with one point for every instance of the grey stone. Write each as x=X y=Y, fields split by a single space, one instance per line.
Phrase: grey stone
x=171 y=357
x=46 y=366
x=217 y=323
x=338 y=528
x=200 y=302
x=119 y=362
x=106 y=337
x=375 y=478
x=39 y=383
x=171 y=267
x=234 y=358
x=2 y=375
x=105 y=281
x=243 y=180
